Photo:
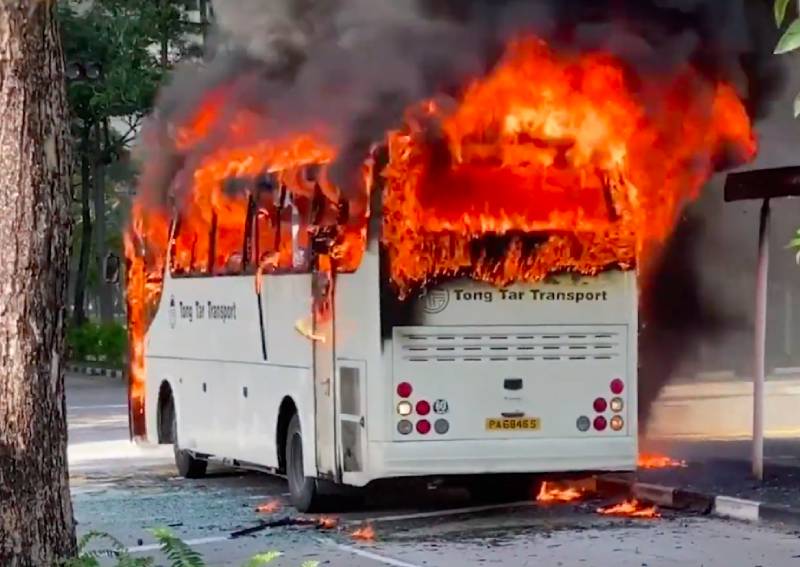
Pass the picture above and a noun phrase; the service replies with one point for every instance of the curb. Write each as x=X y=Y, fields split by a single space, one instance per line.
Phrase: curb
x=687 y=500
x=96 y=371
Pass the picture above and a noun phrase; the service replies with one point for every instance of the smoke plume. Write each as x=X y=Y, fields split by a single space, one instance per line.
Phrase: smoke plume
x=347 y=71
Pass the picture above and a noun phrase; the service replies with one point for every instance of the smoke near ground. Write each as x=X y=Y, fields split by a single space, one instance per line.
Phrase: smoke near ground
x=347 y=71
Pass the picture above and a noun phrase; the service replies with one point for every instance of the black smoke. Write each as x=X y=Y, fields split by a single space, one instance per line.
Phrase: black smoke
x=355 y=66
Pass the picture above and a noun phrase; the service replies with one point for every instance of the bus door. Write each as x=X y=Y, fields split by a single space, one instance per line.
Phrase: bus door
x=322 y=286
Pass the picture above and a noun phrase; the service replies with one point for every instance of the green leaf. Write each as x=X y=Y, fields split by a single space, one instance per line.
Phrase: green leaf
x=177 y=551
x=790 y=40
x=263 y=559
x=780 y=11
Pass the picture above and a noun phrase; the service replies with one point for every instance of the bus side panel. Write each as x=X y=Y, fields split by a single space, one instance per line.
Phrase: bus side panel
x=206 y=341
x=361 y=382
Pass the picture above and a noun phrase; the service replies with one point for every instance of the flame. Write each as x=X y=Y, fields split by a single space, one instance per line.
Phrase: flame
x=364 y=533
x=630 y=509
x=561 y=149
x=327 y=523
x=269 y=507
x=551 y=162
x=549 y=493
x=652 y=461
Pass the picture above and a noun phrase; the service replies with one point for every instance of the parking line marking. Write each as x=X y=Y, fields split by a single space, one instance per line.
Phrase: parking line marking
x=113 y=406
x=366 y=554
x=191 y=542
x=450 y=512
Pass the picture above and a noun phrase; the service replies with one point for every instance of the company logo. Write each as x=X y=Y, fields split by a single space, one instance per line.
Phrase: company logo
x=173 y=312
x=441 y=407
x=436 y=301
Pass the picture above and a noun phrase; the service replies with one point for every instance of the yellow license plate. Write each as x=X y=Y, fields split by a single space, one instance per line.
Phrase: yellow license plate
x=512 y=424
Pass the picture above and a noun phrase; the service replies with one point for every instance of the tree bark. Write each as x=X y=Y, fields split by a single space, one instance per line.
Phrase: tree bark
x=104 y=298
x=203 y=7
x=79 y=303
x=36 y=524
x=164 y=9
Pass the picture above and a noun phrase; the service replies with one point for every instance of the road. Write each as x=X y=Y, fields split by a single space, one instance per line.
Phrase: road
x=125 y=490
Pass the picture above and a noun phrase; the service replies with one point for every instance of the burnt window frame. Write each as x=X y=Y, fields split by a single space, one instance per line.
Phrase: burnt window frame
x=280 y=204
x=211 y=269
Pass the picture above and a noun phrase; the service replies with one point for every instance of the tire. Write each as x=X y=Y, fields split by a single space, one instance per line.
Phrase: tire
x=187 y=464
x=305 y=493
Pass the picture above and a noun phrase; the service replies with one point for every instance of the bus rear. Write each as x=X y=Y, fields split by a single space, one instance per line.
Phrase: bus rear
x=528 y=378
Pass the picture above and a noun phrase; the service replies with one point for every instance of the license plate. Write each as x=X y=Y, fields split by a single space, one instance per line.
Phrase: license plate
x=512 y=424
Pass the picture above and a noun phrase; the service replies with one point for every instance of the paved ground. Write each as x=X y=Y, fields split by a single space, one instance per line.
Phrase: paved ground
x=723 y=409
x=125 y=490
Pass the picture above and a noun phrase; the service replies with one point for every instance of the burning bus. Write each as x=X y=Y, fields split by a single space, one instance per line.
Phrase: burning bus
x=479 y=317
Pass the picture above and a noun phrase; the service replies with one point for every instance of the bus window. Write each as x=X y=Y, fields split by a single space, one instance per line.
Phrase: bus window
x=190 y=248
x=229 y=246
x=264 y=229
x=286 y=242
x=301 y=236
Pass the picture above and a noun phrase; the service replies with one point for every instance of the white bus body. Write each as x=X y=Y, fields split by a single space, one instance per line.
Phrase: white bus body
x=540 y=351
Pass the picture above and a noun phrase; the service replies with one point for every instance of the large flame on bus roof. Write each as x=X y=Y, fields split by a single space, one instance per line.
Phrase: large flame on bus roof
x=569 y=148
x=552 y=162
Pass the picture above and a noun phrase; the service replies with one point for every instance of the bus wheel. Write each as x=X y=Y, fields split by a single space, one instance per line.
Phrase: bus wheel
x=187 y=464
x=304 y=490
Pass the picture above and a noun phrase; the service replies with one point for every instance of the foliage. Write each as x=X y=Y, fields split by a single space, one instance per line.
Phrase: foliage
x=177 y=552
x=790 y=40
x=93 y=342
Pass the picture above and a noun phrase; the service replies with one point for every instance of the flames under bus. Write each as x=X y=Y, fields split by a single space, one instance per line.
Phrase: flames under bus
x=335 y=380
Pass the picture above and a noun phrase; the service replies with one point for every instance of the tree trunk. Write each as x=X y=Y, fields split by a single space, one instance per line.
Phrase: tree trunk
x=104 y=298
x=203 y=7
x=164 y=5
x=79 y=304
x=36 y=524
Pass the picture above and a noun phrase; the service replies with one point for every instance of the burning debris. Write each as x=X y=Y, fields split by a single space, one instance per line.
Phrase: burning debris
x=551 y=493
x=364 y=533
x=557 y=156
x=652 y=461
x=327 y=523
x=630 y=509
x=306 y=328
x=269 y=507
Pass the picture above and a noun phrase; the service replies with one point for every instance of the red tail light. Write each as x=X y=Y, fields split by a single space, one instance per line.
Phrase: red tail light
x=423 y=426
x=423 y=407
x=617 y=386
x=600 y=405
x=404 y=389
x=600 y=423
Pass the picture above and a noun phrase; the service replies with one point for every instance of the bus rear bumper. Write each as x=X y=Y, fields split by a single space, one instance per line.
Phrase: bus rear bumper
x=423 y=458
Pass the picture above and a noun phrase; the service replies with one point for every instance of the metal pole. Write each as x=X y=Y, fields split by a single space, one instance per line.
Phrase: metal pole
x=760 y=342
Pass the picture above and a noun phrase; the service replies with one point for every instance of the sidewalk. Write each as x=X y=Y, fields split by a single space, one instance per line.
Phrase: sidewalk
x=716 y=478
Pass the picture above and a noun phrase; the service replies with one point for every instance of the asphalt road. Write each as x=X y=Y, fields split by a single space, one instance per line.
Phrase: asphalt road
x=126 y=490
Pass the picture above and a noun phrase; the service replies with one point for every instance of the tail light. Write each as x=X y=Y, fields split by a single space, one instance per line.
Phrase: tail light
x=404 y=427
x=600 y=405
x=404 y=408
x=423 y=426
x=423 y=407
x=617 y=423
x=441 y=426
x=600 y=423
x=617 y=404
x=617 y=386
x=583 y=423
x=404 y=389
